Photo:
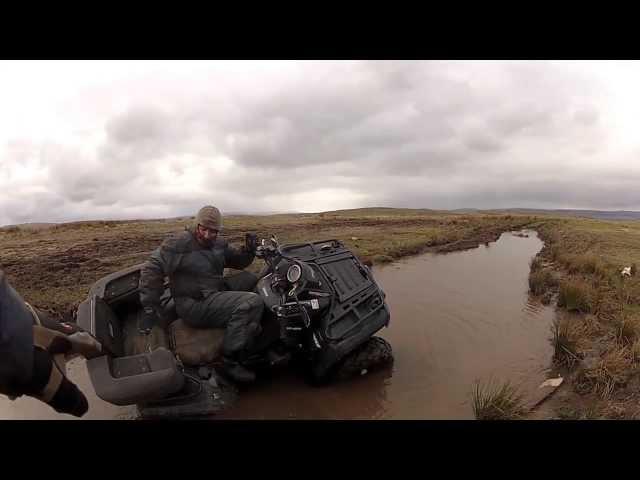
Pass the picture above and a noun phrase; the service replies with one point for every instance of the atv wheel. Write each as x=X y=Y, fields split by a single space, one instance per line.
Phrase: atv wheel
x=373 y=354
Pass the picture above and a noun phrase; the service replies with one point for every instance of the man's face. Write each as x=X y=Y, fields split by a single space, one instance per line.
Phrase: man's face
x=206 y=236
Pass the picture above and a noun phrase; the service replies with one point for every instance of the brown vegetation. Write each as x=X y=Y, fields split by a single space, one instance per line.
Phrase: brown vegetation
x=53 y=267
x=597 y=348
x=497 y=401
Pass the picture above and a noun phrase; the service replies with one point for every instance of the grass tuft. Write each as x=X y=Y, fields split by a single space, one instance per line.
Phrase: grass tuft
x=587 y=263
x=577 y=295
x=535 y=263
x=627 y=329
x=609 y=372
x=493 y=401
x=567 y=336
x=540 y=281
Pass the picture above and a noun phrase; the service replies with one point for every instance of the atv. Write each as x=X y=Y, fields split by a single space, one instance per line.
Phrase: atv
x=322 y=309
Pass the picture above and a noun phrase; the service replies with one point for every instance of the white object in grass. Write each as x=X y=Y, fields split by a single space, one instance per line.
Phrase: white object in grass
x=552 y=382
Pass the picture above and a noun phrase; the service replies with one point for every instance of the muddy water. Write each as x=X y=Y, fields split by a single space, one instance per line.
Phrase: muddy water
x=455 y=318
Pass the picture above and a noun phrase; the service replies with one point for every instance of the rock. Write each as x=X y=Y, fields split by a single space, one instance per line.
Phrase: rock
x=552 y=382
x=545 y=390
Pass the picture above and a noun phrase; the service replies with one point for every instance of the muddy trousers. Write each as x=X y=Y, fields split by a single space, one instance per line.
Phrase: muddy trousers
x=239 y=313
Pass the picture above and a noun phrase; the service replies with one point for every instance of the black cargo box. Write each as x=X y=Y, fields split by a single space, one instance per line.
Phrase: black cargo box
x=359 y=309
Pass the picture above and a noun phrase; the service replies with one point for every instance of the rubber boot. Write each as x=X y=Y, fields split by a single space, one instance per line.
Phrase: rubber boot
x=236 y=371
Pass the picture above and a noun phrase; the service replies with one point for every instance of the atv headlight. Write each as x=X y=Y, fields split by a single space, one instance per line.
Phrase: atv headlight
x=294 y=273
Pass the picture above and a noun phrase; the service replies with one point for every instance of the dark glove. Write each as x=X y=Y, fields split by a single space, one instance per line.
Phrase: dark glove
x=147 y=319
x=251 y=242
x=50 y=385
x=67 y=398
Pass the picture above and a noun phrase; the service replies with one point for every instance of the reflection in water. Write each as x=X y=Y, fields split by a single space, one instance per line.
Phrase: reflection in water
x=455 y=318
x=460 y=317
x=288 y=397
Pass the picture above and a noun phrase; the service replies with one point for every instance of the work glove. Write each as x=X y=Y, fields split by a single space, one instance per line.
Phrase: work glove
x=147 y=319
x=33 y=355
x=48 y=382
x=50 y=385
x=251 y=242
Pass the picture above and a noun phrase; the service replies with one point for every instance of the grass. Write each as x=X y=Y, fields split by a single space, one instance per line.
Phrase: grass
x=540 y=281
x=577 y=295
x=566 y=338
x=612 y=370
x=635 y=351
x=596 y=410
x=535 y=264
x=627 y=329
x=497 y=401
x=602 y=337
x=54 y=267
x=588 y=264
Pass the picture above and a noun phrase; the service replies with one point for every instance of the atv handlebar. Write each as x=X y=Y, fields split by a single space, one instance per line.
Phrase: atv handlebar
x=264 y=250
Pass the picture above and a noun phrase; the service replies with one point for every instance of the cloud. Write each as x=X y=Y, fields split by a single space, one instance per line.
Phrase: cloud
x=320 y=135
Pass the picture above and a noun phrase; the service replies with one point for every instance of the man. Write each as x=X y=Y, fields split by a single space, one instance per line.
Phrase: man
x=32 y=354
x=195 y=261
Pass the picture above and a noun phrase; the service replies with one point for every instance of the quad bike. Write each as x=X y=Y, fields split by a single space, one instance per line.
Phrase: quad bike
x=322 y=309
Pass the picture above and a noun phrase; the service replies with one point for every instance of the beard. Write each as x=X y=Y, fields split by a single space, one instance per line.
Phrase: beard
x=205 y=242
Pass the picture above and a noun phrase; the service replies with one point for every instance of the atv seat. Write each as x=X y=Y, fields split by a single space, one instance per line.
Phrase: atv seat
x=195 y=346
x=137 y=378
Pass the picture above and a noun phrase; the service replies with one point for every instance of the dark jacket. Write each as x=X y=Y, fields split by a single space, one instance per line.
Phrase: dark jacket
x=16 y=339
x=194 y=271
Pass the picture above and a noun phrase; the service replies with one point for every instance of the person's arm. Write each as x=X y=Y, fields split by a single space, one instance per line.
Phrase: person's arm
x=16 y=338
x=162 y=262
x=240 y=258
x=28 y=353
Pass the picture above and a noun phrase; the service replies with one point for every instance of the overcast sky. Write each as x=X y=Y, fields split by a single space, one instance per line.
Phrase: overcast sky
x=130 y=139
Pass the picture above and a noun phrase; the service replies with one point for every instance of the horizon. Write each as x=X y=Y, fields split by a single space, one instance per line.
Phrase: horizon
x=248 y=213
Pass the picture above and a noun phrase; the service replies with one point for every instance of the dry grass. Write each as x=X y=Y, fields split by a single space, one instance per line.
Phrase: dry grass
x=589 y=255
x=535 y=263
x=540 y=281
x=593 y=328
x=612 y=370
x=596 y=410
x=635 y=351
x=54 y=268
x=627 y=328
x=577 y=295
x=586 y=263
x=497 y=401
x=567 y=338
